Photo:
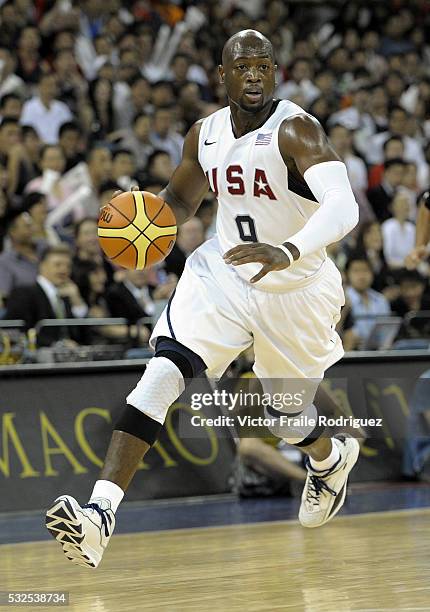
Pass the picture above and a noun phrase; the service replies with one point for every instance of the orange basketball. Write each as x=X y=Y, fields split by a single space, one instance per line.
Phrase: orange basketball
x=137 y=229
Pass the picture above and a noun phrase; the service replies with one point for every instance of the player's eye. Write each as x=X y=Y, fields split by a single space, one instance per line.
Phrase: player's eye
x=264 y=67
x=241 y=67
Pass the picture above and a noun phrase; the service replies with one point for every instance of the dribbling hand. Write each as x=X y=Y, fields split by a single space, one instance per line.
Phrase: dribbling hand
x=271 y=257
x=119 y=192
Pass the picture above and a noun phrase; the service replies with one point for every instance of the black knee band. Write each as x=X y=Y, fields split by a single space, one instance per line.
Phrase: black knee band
x=315 y=435
x=138 y=424
x=188 y=362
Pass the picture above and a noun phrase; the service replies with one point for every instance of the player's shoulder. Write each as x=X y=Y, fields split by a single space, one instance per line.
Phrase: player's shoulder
x=197 y=126
x=297 y=119
x=299 y=126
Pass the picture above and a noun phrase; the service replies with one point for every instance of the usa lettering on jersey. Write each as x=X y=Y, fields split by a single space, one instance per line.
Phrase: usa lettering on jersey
x=236 y=185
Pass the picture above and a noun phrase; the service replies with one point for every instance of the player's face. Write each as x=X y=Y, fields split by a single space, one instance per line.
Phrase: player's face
x=249 y=79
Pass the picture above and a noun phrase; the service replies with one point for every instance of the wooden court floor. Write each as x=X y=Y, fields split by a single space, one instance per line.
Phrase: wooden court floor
x=366 y=563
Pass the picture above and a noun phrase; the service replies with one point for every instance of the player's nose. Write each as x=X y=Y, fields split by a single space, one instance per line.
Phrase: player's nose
x=253 y=76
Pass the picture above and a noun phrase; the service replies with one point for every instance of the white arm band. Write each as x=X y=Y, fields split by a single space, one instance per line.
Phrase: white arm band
x=338 y=211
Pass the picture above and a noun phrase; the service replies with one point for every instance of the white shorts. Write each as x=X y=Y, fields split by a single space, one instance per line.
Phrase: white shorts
x=218 y=315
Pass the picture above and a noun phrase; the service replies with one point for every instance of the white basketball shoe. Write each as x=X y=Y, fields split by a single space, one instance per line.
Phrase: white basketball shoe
x=83 y=532
x=324 y=492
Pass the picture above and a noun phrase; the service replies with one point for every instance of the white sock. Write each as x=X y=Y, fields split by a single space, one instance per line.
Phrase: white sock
x=329 y=462
x=105 y=489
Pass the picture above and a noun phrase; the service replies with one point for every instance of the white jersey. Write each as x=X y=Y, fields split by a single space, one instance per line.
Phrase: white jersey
x=257 y=199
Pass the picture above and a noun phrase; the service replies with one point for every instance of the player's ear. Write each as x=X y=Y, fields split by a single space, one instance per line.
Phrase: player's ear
x=221 y=73
x=275 y=67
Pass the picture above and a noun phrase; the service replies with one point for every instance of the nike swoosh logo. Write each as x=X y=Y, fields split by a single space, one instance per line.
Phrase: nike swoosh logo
x=209 y=143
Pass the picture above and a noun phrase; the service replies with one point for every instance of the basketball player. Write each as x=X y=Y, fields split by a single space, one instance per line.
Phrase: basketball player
x=265 y=280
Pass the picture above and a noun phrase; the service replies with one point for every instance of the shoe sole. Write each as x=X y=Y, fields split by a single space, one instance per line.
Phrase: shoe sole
x=65 y=526
x=341 y=499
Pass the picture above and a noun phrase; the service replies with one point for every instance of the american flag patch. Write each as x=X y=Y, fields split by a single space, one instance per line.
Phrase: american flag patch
x=263 y=139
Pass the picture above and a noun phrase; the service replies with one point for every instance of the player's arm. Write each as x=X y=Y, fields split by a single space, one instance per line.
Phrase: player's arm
x=422 y=238
x=303 y=140
x=304 y=145
x=188 y=184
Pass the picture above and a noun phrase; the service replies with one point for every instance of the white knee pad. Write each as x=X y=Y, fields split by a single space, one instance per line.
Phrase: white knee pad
x=160 y=386
x=297 y=428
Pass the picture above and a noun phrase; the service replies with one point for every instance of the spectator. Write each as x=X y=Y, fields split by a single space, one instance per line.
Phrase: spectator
x=357 y=119
x=10 y=135
x=394 y=85
x=69 y=139
x=366 y=304
x=131 y=101
x=397 y=126
x=99 y=162
x=159 y=167
x=162 y=94
x=342 y=139
x=206 y=213
x=132 y=297
x=138 y=141
x=101 y=98
x=10 y=82
x=381 y=197
x=53 y=296
x=10 y=26
x=23 y=161
x=301 y=81
x=81 y=186
x=191 y=106
x=370 y=246
x=106 y=191
x=44 y=112
x=124 y=168
x=179 y=71
x=88 y=247
x=412 y=294
x=11 y=106
x=19 y=261
x=72 y=87
x=378 y=108
x=29 y=61
x=52 y=163
x=92 y=283
x=393 y=149
x=36 y=205
x=398 y=233
x=190 y=235
x=164 y=137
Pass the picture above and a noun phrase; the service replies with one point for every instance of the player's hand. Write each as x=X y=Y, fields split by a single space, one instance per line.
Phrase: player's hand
x=119 y=192
x=417 y=255
x=271 y=257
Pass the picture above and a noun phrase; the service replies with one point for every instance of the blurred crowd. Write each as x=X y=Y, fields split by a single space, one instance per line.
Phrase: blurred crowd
x=97 y=96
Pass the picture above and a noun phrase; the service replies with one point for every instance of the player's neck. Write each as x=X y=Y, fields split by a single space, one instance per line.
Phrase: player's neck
x=244 y=122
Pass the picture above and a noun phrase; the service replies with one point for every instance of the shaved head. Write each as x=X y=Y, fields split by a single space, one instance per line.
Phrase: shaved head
x=246 y=43
x=248 y=72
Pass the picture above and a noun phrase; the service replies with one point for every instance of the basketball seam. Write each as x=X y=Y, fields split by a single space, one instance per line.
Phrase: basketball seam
x=157 y=216
x=151 y=221
x=131 y=243
x=123 y=251
x=123 y=215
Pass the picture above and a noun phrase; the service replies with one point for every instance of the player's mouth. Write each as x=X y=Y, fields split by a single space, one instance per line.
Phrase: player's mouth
x=254 y=94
